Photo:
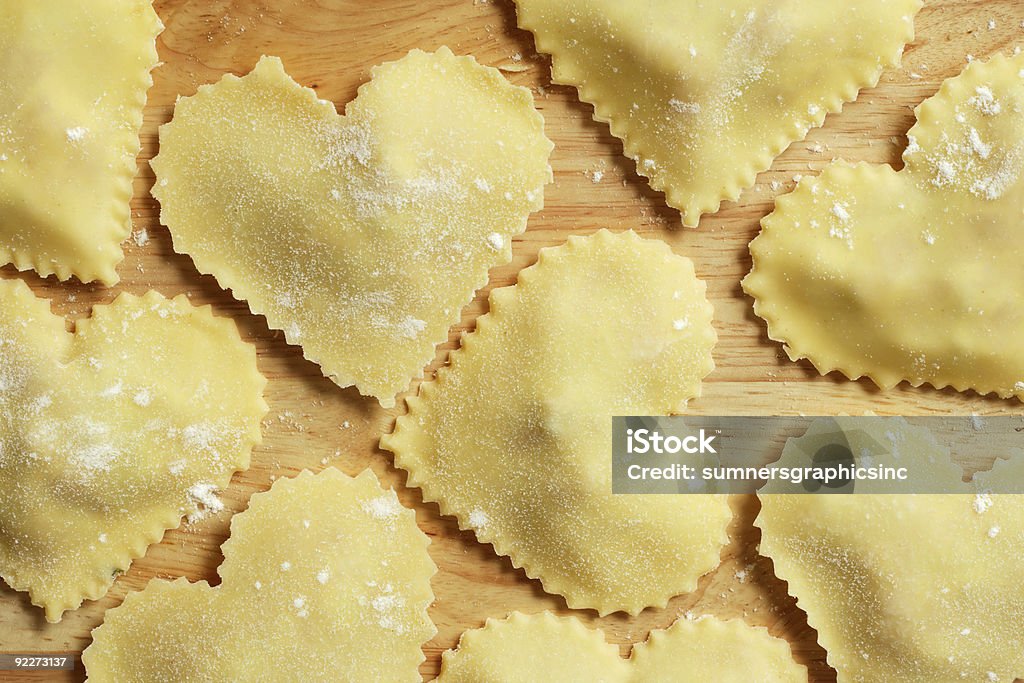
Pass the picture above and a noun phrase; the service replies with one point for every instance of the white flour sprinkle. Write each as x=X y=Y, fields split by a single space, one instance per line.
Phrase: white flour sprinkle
x=384 y=507
x=76 y=134
x=495 y=241
x=841 y=211
x=388 y=608
x=973 y=164
x=141 y=237
x=286 y=565
x=410 y=327
x=200 y=437
x=684 y=107
x=985 y=101
x=383 y=603
x=978 y=146
x=94 y=458
x=842 y=233
x=323 y=576
x=40 y=403
x=478 y=519
x=982 y=503
x=993 y=532
x=286 y=300
x=841 y=229
x=681 y=324
x=945 y=173
x=204 y=496
x=142 y=398
x=1006 y=173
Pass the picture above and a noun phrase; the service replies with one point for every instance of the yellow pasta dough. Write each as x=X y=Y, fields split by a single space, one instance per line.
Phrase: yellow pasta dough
x=109 y=435
x=362 y=236
x=325 y=578
x=1005 y=476
x=912 y=275
x=514 y=438
x=543 y=648
x=73 y=82
x=705 y=94
x=906 y=588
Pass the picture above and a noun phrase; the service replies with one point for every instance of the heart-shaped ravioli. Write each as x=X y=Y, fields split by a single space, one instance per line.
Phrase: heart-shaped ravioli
x=325 y=578
x=704 y=95
x=912 y=275
x=514 y=438
x=73 y=85
x=543 y=648
x=905 y=588
x=362 y=236
x=110 y=435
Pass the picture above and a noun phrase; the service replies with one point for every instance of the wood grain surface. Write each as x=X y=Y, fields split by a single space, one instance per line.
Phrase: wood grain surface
x=331 y=45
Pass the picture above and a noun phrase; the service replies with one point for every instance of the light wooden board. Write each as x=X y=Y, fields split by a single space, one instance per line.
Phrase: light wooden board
x=330 y=45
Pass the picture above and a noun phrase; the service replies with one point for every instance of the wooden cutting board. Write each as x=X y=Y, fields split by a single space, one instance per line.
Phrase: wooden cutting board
x=330 y=45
